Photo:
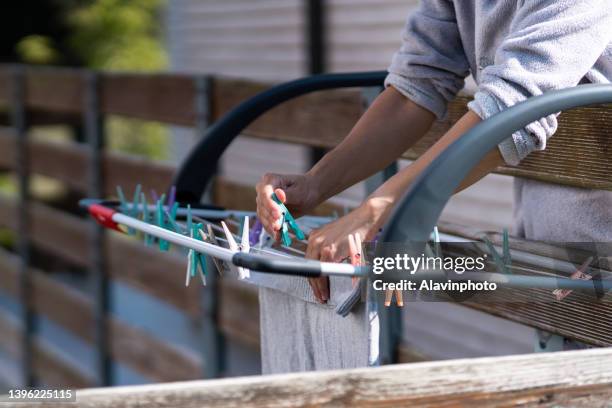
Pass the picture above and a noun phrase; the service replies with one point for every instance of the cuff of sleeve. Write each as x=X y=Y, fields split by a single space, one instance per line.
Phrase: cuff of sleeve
x=516 y=147
x=419 y=92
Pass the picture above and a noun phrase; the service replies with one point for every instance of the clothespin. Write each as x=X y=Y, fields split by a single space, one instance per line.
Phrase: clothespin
x=196 y=260
x=134 y=211
x=145 y=217
x=199 y=257
x=221 y=266
x=255 y=232
x=245 y=244
x=171 y=196
x=154 y=195
x=285 y=238
x=161 y=222
x=506 y=251
x=581 y=274
x=189 y=218
x=355 y=256
x=287 y=219
x=502 y=262
x=123 y=206
x=436 y=240
x=233 y=246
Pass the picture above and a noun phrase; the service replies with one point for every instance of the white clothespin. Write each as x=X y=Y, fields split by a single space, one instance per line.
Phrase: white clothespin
x=190 y=259
x=233 y=246
x=245 y=246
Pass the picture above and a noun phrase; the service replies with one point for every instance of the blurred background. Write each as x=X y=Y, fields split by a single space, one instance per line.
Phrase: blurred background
x=266 y=41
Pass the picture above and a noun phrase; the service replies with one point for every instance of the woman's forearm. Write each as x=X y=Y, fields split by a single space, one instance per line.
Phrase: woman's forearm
x=390 y=127
x=382 y=201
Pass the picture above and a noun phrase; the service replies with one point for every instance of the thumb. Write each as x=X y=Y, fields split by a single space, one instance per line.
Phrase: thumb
x=281 y=195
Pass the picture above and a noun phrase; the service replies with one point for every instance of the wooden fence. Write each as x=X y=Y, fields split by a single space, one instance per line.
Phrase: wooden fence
x=564 y=379
x=44 y=96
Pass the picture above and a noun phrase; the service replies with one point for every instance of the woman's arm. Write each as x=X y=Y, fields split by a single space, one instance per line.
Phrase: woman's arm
x=382 y=201
x=329 y=243
x=390 y=127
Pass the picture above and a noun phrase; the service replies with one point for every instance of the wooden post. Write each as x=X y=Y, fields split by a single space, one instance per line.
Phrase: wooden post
x=28 y=317
x=213 y=347
x=94 y=133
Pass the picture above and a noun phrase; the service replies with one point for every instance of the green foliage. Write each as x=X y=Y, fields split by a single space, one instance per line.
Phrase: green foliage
x=123 y=35
x=111 y=35
x=37 y=49
x=118 y=34
x=134 y=136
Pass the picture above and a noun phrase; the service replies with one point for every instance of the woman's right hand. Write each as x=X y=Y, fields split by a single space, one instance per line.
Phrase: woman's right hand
x=298 y=192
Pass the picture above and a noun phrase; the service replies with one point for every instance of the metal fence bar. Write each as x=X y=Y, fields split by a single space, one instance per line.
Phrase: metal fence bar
x=94 y=134
x=213 y=343
x=28 y=317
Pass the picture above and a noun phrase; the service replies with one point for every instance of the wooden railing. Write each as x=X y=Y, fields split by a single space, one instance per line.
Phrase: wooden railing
x=578 y=155
x=565 y=379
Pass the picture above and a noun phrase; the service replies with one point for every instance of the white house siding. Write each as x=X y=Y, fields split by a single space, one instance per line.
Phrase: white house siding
x=263 y=40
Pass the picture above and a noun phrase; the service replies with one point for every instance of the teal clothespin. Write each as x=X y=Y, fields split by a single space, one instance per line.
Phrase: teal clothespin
x=285 y=238
x=124 y=207
x=201 y=258
x=436 y=240
x=161 y=222
x=499 y=261
x=241 y=227
x=133 y=212
x=189 y=218
x=506 y=250
x=288 y=218
x=122 y=201
x=196 y=259
x=148 y=240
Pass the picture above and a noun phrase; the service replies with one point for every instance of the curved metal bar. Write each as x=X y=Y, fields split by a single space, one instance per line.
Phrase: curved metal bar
x=198 y=169
x=418 y=211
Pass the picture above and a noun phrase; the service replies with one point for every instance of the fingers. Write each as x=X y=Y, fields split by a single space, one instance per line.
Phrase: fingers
x=320 y=288
x=354 y=243
x=281 y=195
x=353 y=251
x=315 y=289
x=267 y=210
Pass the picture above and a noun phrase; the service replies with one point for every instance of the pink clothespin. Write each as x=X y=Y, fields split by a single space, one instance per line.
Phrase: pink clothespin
x=580 y=274
x=355 y=253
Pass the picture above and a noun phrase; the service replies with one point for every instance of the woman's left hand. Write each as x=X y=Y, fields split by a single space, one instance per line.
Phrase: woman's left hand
x=330 y=242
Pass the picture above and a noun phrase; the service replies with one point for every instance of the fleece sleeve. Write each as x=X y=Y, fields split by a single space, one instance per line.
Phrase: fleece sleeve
x=552 y=44
x=430 y=66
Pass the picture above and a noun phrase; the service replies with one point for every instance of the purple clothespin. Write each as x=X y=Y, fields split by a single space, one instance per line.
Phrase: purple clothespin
x=172 y=196
x=255 y=232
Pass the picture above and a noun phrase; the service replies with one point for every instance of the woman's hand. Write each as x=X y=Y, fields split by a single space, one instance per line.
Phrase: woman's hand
x=330 y=243
x=298 y=192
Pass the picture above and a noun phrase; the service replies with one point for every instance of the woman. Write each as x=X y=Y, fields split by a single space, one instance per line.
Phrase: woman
x=514 y=50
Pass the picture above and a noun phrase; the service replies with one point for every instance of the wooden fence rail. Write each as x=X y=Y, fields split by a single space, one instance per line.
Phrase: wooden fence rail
x=567 y=379
x=578 y=155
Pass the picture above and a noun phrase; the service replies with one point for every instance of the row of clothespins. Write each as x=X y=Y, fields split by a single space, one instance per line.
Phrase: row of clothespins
x=165 y=216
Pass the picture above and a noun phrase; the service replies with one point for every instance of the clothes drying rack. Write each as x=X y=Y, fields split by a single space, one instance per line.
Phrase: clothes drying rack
x=413 y=218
